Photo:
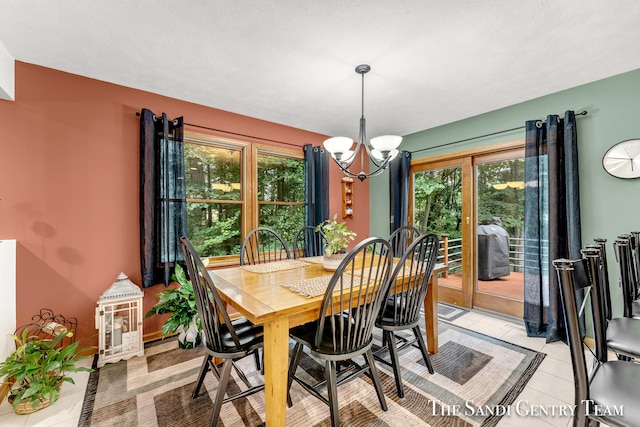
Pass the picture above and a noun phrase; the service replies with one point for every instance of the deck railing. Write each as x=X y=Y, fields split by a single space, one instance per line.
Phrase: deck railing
x=450 y=254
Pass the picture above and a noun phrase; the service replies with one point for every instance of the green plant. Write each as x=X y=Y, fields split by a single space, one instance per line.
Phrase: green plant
x=337 y=234
x=181 y=303
x=38 y=366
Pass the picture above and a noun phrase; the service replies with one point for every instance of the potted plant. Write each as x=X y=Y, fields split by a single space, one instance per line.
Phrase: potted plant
x=337 y=237
x=36 y=370
x=180 y=302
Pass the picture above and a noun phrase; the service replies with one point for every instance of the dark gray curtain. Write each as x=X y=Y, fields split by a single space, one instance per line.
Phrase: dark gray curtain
x=399 y=175
x=163 y=207
x=316 y=185
x=552 y=219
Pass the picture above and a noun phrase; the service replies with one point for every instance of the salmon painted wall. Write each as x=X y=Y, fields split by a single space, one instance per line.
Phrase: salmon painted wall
x=69 y=192
x=359 y=223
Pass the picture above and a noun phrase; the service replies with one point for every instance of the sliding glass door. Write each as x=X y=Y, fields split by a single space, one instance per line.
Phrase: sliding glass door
x=439 y=190
x=499 y=283
x=474 y=202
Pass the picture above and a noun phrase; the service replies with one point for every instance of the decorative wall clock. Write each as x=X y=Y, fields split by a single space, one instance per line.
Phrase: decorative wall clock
x=623 y=159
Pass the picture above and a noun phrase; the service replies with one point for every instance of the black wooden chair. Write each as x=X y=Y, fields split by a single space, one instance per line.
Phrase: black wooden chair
x=624 y=248
x=344 y=330
x=263 y=245
x=613 y=385
x=308 y=242
x=224 y=339
x=622 y=333
x=402 y=309
x=401 y=238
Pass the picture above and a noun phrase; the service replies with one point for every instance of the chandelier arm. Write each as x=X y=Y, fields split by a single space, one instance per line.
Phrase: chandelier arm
x=381 y=164
x=347 y=172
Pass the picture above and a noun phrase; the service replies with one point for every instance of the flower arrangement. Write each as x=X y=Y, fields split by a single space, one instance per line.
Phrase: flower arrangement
x=337 y=234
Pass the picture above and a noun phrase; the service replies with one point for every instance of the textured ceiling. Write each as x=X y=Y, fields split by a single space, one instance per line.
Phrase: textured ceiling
x=292 y=62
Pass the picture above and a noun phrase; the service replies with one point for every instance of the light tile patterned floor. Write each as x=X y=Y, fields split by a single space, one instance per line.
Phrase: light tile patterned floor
x=551 y=385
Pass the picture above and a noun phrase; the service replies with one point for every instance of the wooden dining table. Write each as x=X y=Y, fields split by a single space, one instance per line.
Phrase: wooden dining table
x=260 y=297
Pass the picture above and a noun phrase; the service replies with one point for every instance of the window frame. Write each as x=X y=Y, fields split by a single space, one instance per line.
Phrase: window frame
x=250 y=206
x=269 y=150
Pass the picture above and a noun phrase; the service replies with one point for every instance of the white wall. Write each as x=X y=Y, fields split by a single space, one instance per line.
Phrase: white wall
x=8 y=300
x=7 y=74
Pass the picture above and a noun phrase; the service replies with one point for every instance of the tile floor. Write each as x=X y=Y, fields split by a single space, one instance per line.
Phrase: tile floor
x=551 y=385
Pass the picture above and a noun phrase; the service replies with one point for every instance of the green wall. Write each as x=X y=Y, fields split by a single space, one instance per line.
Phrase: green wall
x=608 y=205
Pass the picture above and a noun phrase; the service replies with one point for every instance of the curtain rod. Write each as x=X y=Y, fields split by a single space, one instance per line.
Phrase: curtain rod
x=244 y=135
x=228 y=132
x=582 y=113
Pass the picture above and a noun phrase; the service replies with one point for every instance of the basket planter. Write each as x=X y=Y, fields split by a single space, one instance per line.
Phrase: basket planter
x=332 y=261
x=26 y=408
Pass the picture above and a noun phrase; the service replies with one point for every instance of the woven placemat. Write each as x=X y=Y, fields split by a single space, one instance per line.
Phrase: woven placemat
x=309 y=287
x=270 y=267
x=315 y=259
x=318 y=285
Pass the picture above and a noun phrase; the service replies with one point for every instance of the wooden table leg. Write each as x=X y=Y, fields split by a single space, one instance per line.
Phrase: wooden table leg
x=431 y=314
x=276 y=361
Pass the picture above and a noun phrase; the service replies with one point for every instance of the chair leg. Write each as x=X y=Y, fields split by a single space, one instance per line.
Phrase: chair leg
x=423 y=348
x=222 y=389
x=256 y=357
x=392 y=345
x=295 y=359
x=376 y=379
x=241 y=375
x=201 y=375
x=332 y=392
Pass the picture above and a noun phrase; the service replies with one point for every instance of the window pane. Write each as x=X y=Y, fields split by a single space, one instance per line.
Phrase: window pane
x=285 y=219
x=437 y=196
x=280 y=179
x=214 y=228
x=213 y=173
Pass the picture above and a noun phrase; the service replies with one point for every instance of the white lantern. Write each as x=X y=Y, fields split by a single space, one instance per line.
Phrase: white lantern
x=119 y=321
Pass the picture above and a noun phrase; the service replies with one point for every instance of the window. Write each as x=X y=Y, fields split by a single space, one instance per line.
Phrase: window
x=214 y=197
x=222 y=175
x=281 y=194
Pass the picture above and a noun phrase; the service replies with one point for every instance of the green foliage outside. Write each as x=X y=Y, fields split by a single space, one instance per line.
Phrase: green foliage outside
x=438 y=202
x=438 y=198
x=507 y=203
x=214 y=176
x=281 y=179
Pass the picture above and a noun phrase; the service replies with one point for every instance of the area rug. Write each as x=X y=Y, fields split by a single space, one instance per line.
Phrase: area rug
x=476 y=376
x=450 y=312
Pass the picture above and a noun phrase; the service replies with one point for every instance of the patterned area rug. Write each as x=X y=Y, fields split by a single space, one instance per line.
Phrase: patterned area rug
x=475 y=376
x=450 y=312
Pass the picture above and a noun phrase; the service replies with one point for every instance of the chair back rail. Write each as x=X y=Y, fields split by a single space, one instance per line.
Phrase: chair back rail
x=402 y=238
x=263 y=245
x=211 y=309
x=413 y=273
x=362 y=280
x=622 y=249
x=308 y=242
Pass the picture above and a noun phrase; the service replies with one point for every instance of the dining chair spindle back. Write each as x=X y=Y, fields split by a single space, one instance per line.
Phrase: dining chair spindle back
x=401 y=238
x=308 y=242
x=263 y=245
x=344 y=328
x=224 y=339
x=402 y=309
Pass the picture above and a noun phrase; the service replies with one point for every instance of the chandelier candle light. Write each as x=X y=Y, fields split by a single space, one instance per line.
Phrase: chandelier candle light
x=382 y=150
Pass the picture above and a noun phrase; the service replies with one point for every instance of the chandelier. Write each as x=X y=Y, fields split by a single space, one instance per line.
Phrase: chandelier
x=381 y=150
